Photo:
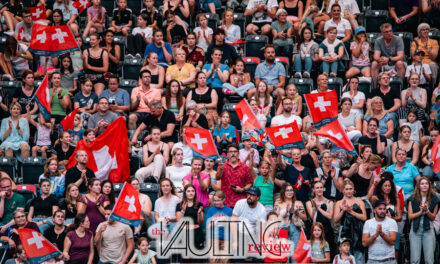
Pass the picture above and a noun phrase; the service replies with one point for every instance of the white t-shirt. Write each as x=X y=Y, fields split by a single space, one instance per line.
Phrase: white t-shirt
x=19 y=63
x=261 y=16
x=280 y=120
x=340 y=27
x=349 y=6
x=148 y=32
x=187 y=152
x=233 y=34
x=202 y=42
x=249 y=215
x=166 y=209
x=418 y=69
x=415 y=130
x=356 y=99
x=379 y=249
x=177 y=174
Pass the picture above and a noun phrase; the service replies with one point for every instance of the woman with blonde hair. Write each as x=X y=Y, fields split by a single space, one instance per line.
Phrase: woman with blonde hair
x=177 y=171
x=14 y=134
x=157 y=71
x=56 y=178
x=376 y=109
x=232 y=31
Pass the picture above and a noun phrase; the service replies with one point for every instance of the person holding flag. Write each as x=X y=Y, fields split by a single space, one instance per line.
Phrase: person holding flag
x=59 y=98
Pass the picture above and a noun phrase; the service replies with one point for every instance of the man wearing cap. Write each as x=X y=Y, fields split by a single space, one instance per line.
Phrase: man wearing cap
x=250 y=209
x=429 y=46
x=380 y=235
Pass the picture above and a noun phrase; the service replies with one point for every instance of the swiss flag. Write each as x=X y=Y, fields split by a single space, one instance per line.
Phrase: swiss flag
x=40 y=39
x=435 y=155
x=401 y=197
x=260 y=140
x=36 y=246
x=323 y=107
x=81 y=5
x=299 y=182
x=108 y=154
x=286 y=136
x=303 y=250
x=42 y=97
x=336 y=133
x=201 y=142
x=21 y=34
x=52 y=40
x=67 y=122
x=127 y=209
x=246 y=115
x=38 y=12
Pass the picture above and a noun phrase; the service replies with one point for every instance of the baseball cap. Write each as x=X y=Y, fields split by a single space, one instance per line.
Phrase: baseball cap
x=359 y=29
x=379 y=202
x=344 y=239
x=254 y=190
x=418 y=52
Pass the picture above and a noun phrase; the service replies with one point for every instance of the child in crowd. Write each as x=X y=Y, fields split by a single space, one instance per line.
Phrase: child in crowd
x=417 y=66
x=224 y=133
x=95 y=18
x=154 y=18
x=143 y=255
x=264 y=100
x=89 y=136
x=43 y=135
x=344 y=257
x=121 y=18
x=292 y=94
x=139 y=38
x=78 y=131
x=203 y=32
x=320 y=247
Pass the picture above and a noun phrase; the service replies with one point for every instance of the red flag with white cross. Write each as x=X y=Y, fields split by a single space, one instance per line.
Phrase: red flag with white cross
x=336 y=133
x=127 y=209
x=323 y=107
x=201 y=142
x=286 y=136
x=246 y=115
x=38 y=12
x=36 y=247
x=435 y=155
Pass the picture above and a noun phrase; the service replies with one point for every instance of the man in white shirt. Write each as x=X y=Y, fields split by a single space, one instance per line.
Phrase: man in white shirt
x=380 y=235
x=262 y=12
x=286 y=117
x=250 y=210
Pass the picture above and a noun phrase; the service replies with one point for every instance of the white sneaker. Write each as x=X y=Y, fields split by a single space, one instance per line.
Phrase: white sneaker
x=7 y=77
x=306 y=74
x=298 y=75
x=129 y=56
x=139 y=56
x=9 y=33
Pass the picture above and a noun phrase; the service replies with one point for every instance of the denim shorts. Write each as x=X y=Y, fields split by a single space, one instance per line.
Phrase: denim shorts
x=361 y=67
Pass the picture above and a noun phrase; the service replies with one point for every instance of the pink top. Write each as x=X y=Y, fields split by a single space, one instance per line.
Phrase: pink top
x=203 y=197
x=94 y=13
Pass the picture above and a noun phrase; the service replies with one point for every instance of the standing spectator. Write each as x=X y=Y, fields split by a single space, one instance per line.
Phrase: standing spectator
x=360 y=50
x=330 y=176
x=250 y=209
x=344 y=248
x=388 y=53
x=9 y=203
x=262 y=13
x=282 y=30
x=161 y=48
x=78 y=245
x=119 y=99
x=379 y=235
x=79 y=174
x=177 y=171
x=101 y=119
x=114 y=240
x=265 y=181
x=404 y=15
x=229 y=53
x=199 y=181
x=235 y=176
x=320 y=247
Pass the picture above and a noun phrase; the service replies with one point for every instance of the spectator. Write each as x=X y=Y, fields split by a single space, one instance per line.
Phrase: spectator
x=63 y=150
x=140 y=99
x=331 y=52
x=161 y=48
x=9 y=203
x=357 y=97
x=262 y=14
x=154 y=17
x=272 y=72
x=57 y=234
x=44 y=128
x=121 y=22
x=349 y=9
x=69 y=14
x=423 y=70
x=157 y=71
x=249 y=209
x=155 y=157
x=101 y=119
x=351 y=122
x=140 y=37
x=14 y=61
x=412 y=148
x=224 y=133
x=69 y=77
x=385 y=190
x=330 y=176
x=235 y=176
x=203 y=32
x=175 y=33
x=342 y=25
x=282 y=30
x=25 y=95
x=294 y=12
x=113 y=50
x=362 y=175
x=193 y=54
x=229 y=54
x=146 y=205
x=177 y=171
x=405 y=174
x=261 y=117
x=413 y=97
x=426 y=154
x=248 y=153
x=52 y=174
x=287 y=116
x=182 y=71
x=216 y=72
x=96 y=62
x=360 y=49
x=306 y=54
x=69 y=204
x=288 y=206
x=239 y=81
x=404 y=15
x=42 y=207
x=59 y=97
x=309 y=15
x=264 y=180
x=199 y=181
x=143 y=254
x=107 y=189
x=180 y=7
x=344 y=249
x=23 y=29
x=232 y=31
x=14 y=133
x=320 y=247
x=428 y=45
x=194 y=118
x=379 y=235
x=114 y=239
x=79 y=174
x=4 y=102
x=78 y=245
x=373 y=138
x=119 y=99
x=165 y=205
x=388 y=54
x=263 y=98
x=174 y=101
x=376 y=110
x=86 y=100
x=96 y=15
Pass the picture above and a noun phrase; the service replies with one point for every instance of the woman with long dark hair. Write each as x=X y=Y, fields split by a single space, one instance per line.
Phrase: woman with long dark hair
x=56 y=18
x=96 y=63
x=15 y=59
x=174 y=100
x=107 y=189
x=59 y=97
x=239 y=80
x=306 y=53
x=78 y=244
x=113 y=51
x=68 y=75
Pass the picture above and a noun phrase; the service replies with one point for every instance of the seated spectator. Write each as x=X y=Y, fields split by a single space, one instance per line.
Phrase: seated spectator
x=294 y=11
x=349 y=10
x=388 y=54
x=86 y=100
x=423 y=70
x=63 y=149
x=309 y=15
x=42 y=207
x=282 y=30
x=216 y=72
x=360 y=50
x=101 y=119
x=405 y=173
x=15 y=58
x=331 y=51
x=181 y=9
x=229 y=53
x=177 y=171
x=428 y=163
x=262 y=15
x=143 y=253
x=193 y=53
x=272 y=72
x=306 y=54
x=404 y=15
x=157 y=71
x=287 y=117
x=140 y=37
x=412 y=148
x=59 y=98
x=69 y=14
x=263 y=98
x=79 y=174
x=343 y=28
x=56 y=234
x=372 y=138
x=357 y=97
x=175 y=33
x=113 y=50
x=121 y=19
x=52 y=174
x=248 y=153
x=162 y=119
x=413 y=98
x=173 y=100
x=224 y=133
x=429 y=46
x=69 y=204
x=232 y=31
x=79 y=244
x=155 y=157
x=376 y=110
x=69 y=78
x=182 y=71
x=23 y=29
x=25 y=95
x=390 y=96
x=77 y=61
x=292 y=93
x=203 y=32
x=14 y=133
x=194 y=117
x=239 y=80
x=44 y=129
x=351 y=121
x=10 y=203
x=107 y=189
x=206 y=98
x=165 y=205
x=161 y=48
x=96 y=15
x=250 y=209
x=119 y=99
x=96 y=63
x=153 y=14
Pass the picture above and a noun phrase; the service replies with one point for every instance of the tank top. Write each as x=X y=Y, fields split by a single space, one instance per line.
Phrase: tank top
x=409 y=153
x=112 y=67
x=307 y=161
x=174 y=108
x=360 y=185
x=266 y=189
x=155 y=79
x=291 y=11
x=202 y=98
x=95 y=62
x=151 y=153
x=416 y=95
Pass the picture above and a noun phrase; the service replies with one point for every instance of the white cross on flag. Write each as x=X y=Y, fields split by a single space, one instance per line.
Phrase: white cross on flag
x=435 y=155
x=36 y=247
x=323 y=107
x=127 y=209
x=130 y=201
x=336 y=133
x=246 y=115
x=201 y=142
x=285 y=136
x=81 y=5
x=52 y=40
x=299 y=182
x=38 y=12
x=303 y=250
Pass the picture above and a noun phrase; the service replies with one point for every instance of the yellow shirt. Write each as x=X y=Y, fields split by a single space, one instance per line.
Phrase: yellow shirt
x=432 y=44
x=182 y=74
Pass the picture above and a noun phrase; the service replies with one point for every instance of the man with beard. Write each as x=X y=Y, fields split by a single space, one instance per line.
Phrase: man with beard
x=79 y=174
x=287 y=116
x=249 y=209
x=379 y=235
x=9 y=202
x=101 y=119
x=236 y=177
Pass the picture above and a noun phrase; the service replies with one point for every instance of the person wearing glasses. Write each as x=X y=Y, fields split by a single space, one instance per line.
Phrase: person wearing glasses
x=9 y=202
x=101 y=119
x=388 y=53
x=429 y=46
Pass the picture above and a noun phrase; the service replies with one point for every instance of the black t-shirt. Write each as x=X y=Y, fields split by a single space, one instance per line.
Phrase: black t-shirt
x=24 y=100
x=73 y=174
x=43 y=207
x=61 y=155
x=201 y=121
x=388 y=99
x=85 y=101
x=70 y=213
x=190 y=212
x=229 y=53
x=292 y=175
x=177 y=33
x=167 y=118
x=152 y=16
x=365 y=140
x=123 y=18
x=54 y=238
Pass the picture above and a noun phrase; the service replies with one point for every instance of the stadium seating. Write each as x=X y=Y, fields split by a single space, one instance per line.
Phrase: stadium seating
x=375 y=18
x=31 y=169
x=255 y=44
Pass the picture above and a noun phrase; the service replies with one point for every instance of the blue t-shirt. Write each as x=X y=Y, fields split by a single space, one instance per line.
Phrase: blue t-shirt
x=270 y=74
x=214 y=80
x=76 y=135
x=160 y=55
x=383 y=123
x=84 y=101
x=230 y=132
x=121 y=97
x=216 y=213
x=405 y=178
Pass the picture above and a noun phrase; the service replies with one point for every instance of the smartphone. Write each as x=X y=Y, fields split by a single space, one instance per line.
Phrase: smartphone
x=285 y=30
x=233 y=186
